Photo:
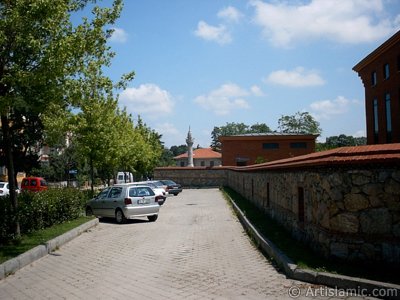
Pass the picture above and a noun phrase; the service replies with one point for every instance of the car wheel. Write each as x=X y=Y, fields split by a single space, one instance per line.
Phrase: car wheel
x=89 y=211
x=152 y=218
x=119 y=217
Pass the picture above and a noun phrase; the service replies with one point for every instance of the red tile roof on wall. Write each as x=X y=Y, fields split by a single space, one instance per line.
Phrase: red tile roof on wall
x=201 y=153
x=370 y=154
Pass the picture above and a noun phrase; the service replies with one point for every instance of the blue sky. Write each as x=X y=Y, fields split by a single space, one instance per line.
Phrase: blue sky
x=204 y=63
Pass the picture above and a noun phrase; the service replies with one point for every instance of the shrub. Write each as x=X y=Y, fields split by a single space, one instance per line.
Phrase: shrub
x=40 y=210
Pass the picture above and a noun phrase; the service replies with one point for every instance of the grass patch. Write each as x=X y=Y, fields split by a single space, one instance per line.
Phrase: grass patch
x=29 y=241
x=302 y=255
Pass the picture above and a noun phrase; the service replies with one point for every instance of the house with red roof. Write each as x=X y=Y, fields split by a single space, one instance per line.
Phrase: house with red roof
x=203 y=157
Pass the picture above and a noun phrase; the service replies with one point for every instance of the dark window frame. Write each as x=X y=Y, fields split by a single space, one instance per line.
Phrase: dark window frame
x=386 y=71
x=270 y=146
x=388 y=113
x=375 y=116
x=298 y=145
x=373 y=78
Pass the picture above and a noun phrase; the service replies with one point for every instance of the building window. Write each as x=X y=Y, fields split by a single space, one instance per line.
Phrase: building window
x=373 y=78
x=398 y=63
x=182 y=163
x=386 y=72
x=202 y=163
x=376 y=121
x=388 y=118
x=270 y=146
x=298 y=145
x=212 y=163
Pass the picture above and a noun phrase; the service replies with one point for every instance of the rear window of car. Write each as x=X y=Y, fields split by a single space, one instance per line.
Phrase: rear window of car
x=140 y=192
x=1 y=185
x=25 y=182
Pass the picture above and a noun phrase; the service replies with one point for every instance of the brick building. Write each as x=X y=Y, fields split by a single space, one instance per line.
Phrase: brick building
x=248 y=149
x=203 y=157
x=380 y=74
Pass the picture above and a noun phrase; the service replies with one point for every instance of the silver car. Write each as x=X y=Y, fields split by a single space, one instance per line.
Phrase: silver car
x=124 y=201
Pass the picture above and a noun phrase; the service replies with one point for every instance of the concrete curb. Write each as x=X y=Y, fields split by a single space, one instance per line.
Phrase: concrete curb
x=363 y=287
x=24 y=259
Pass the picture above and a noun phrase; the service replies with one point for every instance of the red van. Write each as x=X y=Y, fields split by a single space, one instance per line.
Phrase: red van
x=33 y=184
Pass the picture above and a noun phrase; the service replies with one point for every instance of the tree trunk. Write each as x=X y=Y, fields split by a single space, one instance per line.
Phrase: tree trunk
x=7 y=148
x=91 y=175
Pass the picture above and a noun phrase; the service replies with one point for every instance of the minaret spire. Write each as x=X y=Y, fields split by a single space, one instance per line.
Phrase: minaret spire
x=189 y=142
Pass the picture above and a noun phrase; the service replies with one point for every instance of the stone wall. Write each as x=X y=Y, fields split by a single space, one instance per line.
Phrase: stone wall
x=194 y=177
x=351 y=214
x=344 y=203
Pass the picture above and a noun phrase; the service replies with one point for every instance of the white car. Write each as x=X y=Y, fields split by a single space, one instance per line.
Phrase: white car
x=124 y=201
x=160 y=192
x=4 y=189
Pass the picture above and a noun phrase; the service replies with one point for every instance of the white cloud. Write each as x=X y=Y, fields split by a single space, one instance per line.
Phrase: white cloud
x=230 y=14
x=119 y=35
x=360 y=133
x=256 y=91
x=299 y=77
x=148 y=99
x=326 y=108
x=350 y=21
x=224 y=99
x=219 y=33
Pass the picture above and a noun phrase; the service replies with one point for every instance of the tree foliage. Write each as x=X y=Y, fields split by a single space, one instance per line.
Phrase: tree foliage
x=341 y=140
x=300 y=123
x=45 y=62
x=235 y=129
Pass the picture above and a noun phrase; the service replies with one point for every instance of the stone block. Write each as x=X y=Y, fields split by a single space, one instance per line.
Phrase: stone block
x=372 y=189
x=345 y=223
x=376 y=221
x=355 y=202
x=361 y=177
x=368 y=250
x=392 y=187
x=340 y=250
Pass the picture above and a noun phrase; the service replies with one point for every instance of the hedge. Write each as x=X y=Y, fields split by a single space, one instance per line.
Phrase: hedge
x=40 y=210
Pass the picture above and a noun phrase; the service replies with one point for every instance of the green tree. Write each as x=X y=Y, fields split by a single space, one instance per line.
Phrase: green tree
x=300 y=123
x=235 y=129
x=43 y=56
x=341 y=140
x=178 y=150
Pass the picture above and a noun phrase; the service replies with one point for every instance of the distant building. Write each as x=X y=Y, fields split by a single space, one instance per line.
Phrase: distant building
x=204 y=157
x=249 y=149
x=380 y=74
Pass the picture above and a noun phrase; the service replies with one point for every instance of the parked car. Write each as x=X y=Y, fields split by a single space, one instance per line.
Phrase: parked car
x=124 y=201
x=161 y=185
x=4 y=190
x=173 y=187
x=33 y=184
x=160 y=192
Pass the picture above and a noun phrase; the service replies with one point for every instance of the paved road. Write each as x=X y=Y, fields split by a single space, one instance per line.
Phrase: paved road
x=195 y=250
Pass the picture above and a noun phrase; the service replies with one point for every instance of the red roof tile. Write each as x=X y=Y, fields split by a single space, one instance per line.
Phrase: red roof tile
x=386 y=153
x=201 y=153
